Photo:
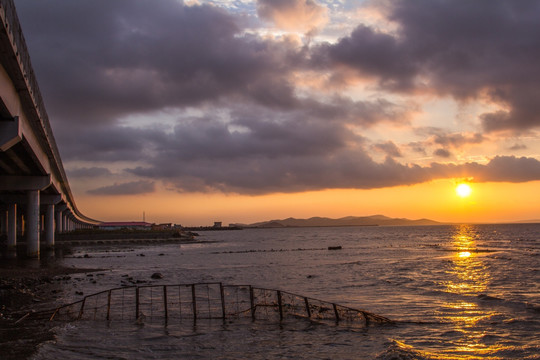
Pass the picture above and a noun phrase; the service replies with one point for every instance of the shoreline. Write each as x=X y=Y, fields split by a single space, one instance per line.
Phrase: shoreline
x=26 y=287
x=29 y=285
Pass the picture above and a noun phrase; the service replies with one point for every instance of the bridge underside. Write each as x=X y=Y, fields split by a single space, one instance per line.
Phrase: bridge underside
x=35 y=197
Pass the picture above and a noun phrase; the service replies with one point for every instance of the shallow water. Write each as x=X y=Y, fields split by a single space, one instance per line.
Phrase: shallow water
x=469 y=291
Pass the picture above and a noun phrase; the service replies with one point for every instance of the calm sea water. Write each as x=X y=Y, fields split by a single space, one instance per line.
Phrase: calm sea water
x=465 y=292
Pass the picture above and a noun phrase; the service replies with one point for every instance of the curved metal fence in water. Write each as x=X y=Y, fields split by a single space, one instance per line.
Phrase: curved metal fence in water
x=205 y=301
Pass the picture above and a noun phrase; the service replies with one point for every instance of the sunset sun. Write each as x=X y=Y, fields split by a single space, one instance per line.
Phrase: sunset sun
x=463 y=190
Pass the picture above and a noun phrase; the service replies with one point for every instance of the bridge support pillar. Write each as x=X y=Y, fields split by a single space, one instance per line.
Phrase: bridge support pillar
x=49 y=225
x=32 y=224
x=59 y=219
x=12 y=228
x=3 y=220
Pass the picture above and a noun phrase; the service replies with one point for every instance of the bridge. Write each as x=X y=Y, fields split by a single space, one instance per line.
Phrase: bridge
x=35 y=197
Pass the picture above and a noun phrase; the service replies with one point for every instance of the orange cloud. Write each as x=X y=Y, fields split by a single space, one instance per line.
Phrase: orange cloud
x=297 y=15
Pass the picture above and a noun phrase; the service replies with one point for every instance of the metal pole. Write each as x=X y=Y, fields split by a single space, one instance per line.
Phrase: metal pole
x=366 y=317
x=81 y=311
x=165 y=302
x=194 y=299
x=252 y=301
x=137 y=302
x=109 y=305
x=336 y=312
x=308 y=311
x=222 y=293
x=280 y=305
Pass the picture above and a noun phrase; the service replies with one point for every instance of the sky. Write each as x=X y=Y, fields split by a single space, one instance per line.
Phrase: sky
x=241 y=111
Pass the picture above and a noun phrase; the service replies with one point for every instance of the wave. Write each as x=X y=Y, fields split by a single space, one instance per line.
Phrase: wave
x=396 y=350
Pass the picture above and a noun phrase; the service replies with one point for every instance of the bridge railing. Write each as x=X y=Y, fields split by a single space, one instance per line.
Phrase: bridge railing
x=206 y=301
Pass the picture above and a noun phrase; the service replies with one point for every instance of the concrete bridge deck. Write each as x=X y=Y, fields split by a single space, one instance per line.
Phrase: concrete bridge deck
x=35 y=196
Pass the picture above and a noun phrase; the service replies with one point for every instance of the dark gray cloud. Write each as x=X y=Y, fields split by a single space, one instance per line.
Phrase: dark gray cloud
x=99 y=60
x=449 y=140
x=457 y=140
x=215 y=158
x=499 y=169
x=110 y=143
x=255 y=131
x=128 y=188
x=444 y=153
x=508 y=168
x=518 y=147
x=389 y=148
x=466 y=49
x=88 y=172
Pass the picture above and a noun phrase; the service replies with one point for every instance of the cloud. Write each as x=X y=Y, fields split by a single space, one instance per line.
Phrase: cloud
x=128 y=188
x=99 y=61
x=246 y=122
x=458 y=140
x=518 y=147
x=442 y=153
x=211 y=157
x=88 y=172
x=510 y=169
x=301 y=15
x=499 y=169
x=459 y=48
x=389 y=148
x=449 y=140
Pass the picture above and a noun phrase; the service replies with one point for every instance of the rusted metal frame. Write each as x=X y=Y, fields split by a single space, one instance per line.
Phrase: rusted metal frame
x=369 y=317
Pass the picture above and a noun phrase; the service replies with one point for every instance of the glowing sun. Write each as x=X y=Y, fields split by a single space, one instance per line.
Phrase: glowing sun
x=463 y=190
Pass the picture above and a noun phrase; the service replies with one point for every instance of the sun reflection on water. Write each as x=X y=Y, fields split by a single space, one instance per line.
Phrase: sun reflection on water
x=469 y=276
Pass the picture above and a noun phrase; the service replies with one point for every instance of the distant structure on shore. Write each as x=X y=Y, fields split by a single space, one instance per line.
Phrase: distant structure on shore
x=136 y=225
x=131 y=225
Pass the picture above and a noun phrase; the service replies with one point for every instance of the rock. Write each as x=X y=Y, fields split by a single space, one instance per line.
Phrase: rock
x=157 y=276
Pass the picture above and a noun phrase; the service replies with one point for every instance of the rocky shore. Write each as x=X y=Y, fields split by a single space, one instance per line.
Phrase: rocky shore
x=25 y=288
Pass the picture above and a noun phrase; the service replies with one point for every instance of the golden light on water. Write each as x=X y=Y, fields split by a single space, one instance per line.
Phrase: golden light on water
x=468 y=276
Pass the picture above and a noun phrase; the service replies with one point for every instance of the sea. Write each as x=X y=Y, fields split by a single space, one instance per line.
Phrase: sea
x=453 y=292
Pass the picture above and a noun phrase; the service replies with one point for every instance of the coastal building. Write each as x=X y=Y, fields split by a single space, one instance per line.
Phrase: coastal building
x=165 y=226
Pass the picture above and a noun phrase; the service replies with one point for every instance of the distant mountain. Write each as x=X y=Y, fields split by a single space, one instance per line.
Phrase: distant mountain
x=535 y=221
x=374 y=220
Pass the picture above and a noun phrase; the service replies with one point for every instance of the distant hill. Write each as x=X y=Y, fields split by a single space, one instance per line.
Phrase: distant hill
x=374 y=220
